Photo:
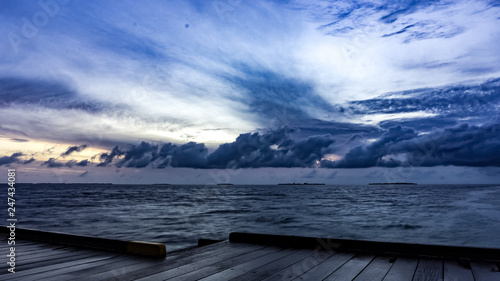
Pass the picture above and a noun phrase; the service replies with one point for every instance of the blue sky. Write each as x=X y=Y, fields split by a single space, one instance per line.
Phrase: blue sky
x=250 y=91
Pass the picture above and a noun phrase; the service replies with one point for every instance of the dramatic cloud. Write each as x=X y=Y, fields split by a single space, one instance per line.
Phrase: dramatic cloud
x=14 y=158
x=52 y=163
x=72 y=149
x=31 y=160
x=356 y=84
x=272 y=149
x=465 y=145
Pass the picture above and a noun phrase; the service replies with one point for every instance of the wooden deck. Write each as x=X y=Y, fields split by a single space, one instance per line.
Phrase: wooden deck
x=240 y=261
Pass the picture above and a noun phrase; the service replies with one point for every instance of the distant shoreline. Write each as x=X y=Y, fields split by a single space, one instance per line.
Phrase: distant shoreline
x=392 y=183
x=297 y=183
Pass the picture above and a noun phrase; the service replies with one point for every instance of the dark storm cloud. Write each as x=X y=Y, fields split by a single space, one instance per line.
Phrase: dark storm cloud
x=465 y=145
x=72 y=149
x=107 y=158
x=53 y=163
x=72 y=163
x=371 y=155
x=273 y=149
x=29 y=161
x=14 y=158
x=276 y=148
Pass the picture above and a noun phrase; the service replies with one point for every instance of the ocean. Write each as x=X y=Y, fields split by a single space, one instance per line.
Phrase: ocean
x=178 y=215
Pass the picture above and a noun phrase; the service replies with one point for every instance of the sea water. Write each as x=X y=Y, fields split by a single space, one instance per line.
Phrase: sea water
x=178 y=215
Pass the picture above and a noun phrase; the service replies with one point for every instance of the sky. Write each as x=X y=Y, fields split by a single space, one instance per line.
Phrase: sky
x=250 y=92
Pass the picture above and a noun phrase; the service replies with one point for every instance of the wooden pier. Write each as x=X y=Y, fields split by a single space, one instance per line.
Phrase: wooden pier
x=250 y=257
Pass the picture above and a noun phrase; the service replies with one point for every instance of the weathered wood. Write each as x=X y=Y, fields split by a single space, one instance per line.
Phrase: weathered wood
x=188 y=257
x=228 y=263
x=111 y=264
x=246 y=267
x=185 y=268
x=300 y=267
x=403 y=269
x=277 y=265
x=43 y=263
x=455 y=270
x=21 y=274
x=350 y=269
x=376 y=269
x=429 y=269
x=242 y=262
x=58 y=274
x=326 y=268
x=485 y=271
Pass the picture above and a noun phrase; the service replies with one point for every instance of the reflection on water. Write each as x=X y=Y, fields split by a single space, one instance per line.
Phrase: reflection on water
x=180 y=215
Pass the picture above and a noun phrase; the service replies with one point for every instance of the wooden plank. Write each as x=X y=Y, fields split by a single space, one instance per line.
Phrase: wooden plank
x=188 y=257
x=325 y=268
x=44 y=263
x=376 y=270
x=402 y=270
x=24 y=256
x=485 y=271
x=247 y=267
x=351 y=269
x=300 y=267
x=455 y=270
x=21 y=274
x=27 y=262
x=185 y=268
x=277 y=265
x=217 y=267
x=56 y=273
x=115 y=263
x=429 y=269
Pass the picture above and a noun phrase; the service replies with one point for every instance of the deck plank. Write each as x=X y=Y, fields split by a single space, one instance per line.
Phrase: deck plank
x=376 y=270
x=457 y=271
x=21 y=274
x=247 y=267
x=429 y=269
x=277 y=265
x=402 y=270
x=57 y=274
x=114 y=263
x=44 y=263
x=183 y=268
x=137 y=271
x=300 y=267
x=351 y=269
x=325 y=268
x=228 y=263
x=485 y=271
x=186 y=257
